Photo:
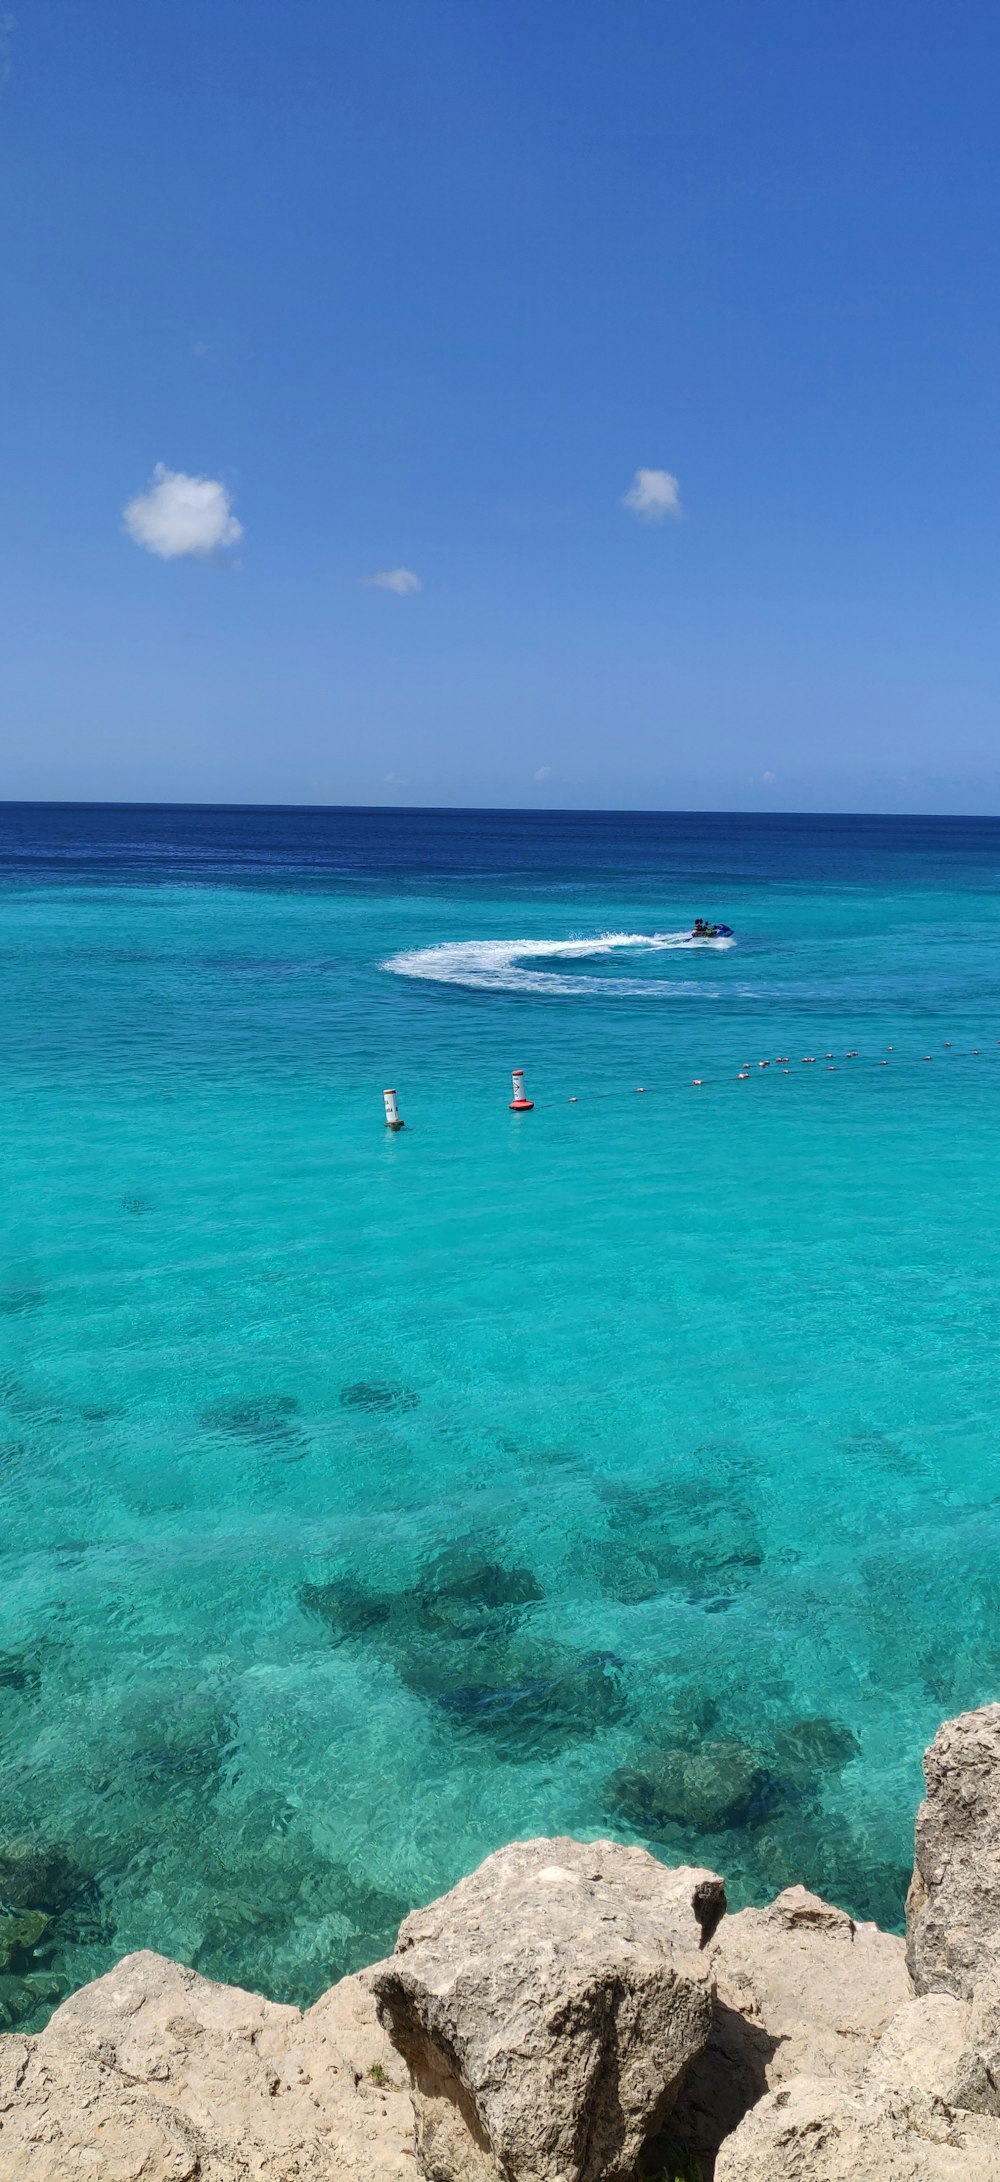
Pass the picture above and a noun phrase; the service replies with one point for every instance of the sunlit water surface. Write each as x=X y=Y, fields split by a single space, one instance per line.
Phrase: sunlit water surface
x=628 y=1466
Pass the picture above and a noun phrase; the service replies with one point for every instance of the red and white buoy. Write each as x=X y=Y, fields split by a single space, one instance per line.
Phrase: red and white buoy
x=519 y=1104
x=392 y=1118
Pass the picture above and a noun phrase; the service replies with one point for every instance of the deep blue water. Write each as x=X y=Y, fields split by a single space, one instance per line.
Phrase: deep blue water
x=626 y=1466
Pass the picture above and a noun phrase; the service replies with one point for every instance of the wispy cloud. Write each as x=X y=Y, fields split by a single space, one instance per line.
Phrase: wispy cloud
x=400 y=580
x=180 y=514
x=544 y=772
x=652 y=495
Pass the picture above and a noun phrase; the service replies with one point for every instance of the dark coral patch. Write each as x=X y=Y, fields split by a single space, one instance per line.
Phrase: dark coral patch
x=347 y=1608
x=265 y=1420
x=20 y=1671
x=686 y=1538
x=377 y=1398
x=461 y=1594
x=457 y=1639
x=464 y=1591
x=186 y=1751
x=538 y=1699
x=17 y=1300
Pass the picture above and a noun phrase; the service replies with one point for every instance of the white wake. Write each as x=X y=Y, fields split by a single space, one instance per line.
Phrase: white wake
x=502 y=965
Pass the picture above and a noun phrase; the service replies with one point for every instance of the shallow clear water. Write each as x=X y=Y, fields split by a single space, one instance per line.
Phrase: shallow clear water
x=626 y=1466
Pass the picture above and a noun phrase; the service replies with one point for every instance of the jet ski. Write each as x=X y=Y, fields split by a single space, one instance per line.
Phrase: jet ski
x=711 y=931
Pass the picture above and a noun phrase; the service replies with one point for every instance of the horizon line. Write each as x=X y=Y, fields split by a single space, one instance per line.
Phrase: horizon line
x=468 y=810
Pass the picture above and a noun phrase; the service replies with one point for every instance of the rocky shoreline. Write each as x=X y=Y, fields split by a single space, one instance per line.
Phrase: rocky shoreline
x=570 y=2012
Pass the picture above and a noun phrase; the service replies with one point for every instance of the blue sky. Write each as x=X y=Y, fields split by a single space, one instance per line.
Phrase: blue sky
x=420 y=286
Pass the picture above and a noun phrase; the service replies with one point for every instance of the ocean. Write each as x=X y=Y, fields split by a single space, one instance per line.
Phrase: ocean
x=626 y=1466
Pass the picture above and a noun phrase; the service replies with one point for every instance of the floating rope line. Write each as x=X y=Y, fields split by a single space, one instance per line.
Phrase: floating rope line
x=781 y=1062
x=786 y=1066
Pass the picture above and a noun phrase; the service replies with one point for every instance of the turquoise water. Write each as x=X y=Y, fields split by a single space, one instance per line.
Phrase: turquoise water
x=626 y=1466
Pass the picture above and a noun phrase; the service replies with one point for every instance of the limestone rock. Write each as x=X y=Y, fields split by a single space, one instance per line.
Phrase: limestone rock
x=924 y=2048
x=801 y=1989
x=953 y=1907
x=547 y=2009
x=816 y=2129
x=976 y=2080
x=153 y=2074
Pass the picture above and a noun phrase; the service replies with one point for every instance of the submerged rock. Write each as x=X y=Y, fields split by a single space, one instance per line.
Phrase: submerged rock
x=40 y=1875
x=461 y=1588
x=808 y=1748
x=547 y=2009
x=710 y=1788
x=622 y=1574
x=695 y=1539
x=347 y=1608
x=20 y=1934
x=457 y=1638
x=461 y=1593
x=34 y=1994
x=530 y=1698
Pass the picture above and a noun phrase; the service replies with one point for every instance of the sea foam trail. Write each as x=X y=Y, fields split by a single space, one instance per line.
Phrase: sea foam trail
x=500 y=965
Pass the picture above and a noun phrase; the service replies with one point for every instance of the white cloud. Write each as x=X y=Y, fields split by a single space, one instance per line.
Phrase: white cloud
x=400 y=580
x=180 y=514
x=544 y=772
x=652 y=495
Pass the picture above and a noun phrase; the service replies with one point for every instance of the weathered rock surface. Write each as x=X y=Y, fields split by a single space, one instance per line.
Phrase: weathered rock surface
x=816 y=2129
x=801 y=1990
x=921 y=2105
x=153 y=2074
x=976 y=2078
x=924 y=2048
x=548 y=2008
x=953 y=1906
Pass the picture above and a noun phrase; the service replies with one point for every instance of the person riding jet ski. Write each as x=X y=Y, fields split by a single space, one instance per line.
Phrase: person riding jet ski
x=701 y=930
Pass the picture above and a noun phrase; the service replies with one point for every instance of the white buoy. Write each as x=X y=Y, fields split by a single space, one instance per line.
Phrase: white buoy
x=392 y=1120
x=519 y=1104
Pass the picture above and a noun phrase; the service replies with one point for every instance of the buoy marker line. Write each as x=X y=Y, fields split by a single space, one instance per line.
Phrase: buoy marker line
x=519 y=1104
